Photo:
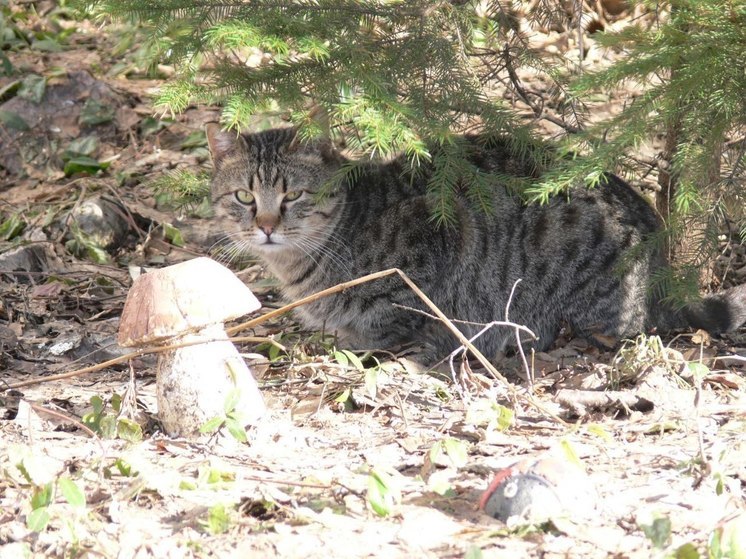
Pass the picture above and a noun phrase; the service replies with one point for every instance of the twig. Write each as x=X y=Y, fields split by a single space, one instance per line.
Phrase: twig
x=309 y=299
x=64 y=417
x=582 y=400
x=506 y=322
x=286 y=482
x=529 y=372
x=68 y=218
x=538 y=110
x=133 y=355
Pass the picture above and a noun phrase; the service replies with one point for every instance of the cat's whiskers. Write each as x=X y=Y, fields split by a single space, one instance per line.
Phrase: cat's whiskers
x=231 y=247
x=297 y=245
x=314 y=246
x=325 y=240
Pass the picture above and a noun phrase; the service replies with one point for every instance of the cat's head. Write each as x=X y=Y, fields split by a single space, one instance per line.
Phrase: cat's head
x=264 y=190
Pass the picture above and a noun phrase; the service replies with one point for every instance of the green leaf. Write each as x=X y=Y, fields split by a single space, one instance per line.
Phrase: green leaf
x=71 y=492
x=6 y=67
x=728 y=540
x=97 y=402
x=457 y=452
x=371 y=381
x=96 y=254
x=12 y=227
x=341 y=358
x=236 y=429
x=569 y=452
x=196 y=139
x=218 y=520
x=274 y=353
x=505 y=418
x=213 y=475
x=107 y=427
x=440 y=482
x=378 y=496
x=124 y=467
x=212 y=425
x=37 y=519
x=485 y=412
x=686 y=551
x=150 y=126
x=354 y=359
x=383 y=492
x=129 y=430
x=85 y=164
x=85 y=146
x=698 y=370
x=42 y=496
x=344 y=396
x=33 y=88
x=94 y=112
x=116 y=399
x=173 y=235
x=599 y=431
x=14 y=121
x=9 y=90
x=46 y=45
x=231 y=400
x=658 y=531
x=473 y=552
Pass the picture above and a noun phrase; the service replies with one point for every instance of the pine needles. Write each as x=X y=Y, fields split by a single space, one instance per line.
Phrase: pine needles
x=396 y=76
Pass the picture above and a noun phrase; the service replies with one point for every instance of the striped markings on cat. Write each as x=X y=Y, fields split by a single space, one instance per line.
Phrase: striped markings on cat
x=425 y=299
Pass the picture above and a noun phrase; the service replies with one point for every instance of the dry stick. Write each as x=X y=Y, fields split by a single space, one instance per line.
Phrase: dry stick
x=303 y=301
x=309 y=299
x=370 y=277
x=128 y=356
x=64 y=417
x=425 y=299
x=529 y=372
x=506 y=322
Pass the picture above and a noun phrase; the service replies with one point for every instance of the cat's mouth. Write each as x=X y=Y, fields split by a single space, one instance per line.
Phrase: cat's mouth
x=271 y=244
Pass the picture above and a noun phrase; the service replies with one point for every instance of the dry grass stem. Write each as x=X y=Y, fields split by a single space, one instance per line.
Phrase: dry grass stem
x=309 y=299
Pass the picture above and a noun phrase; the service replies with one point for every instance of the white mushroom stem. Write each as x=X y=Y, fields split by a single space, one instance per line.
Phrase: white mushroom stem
x=195 y=381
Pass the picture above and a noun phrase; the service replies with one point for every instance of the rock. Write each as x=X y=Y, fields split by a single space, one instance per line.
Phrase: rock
x=103 y=221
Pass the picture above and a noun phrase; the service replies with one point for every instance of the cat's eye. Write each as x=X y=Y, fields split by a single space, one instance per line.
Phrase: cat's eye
x=291 y=196
x=245 y=197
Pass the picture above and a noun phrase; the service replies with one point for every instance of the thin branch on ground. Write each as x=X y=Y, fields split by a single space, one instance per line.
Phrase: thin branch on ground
x=304 y=301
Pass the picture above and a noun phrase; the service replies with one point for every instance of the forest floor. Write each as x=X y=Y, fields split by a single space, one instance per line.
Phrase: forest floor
x=354 y=459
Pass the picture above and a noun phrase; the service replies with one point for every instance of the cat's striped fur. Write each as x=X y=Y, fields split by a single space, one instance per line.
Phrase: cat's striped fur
x=567 y=253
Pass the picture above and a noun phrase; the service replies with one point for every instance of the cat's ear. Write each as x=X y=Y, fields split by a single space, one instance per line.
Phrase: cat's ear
x=222 y=142
x=328 y=152
x=324 y=144
x=294 y=143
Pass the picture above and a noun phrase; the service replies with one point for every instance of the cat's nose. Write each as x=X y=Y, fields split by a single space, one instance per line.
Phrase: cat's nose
x=267 y=229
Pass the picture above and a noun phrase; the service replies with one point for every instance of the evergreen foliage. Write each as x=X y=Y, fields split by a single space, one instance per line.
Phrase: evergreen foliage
x=691 y=64
x=397 y=76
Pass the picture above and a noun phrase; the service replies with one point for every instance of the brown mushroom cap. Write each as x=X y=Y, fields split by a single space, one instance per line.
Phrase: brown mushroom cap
x=182 y=298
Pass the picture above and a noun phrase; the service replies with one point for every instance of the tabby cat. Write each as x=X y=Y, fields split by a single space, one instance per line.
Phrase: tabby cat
x=567 y=253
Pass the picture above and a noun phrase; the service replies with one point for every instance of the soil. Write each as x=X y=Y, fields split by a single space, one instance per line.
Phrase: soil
x=643 y=447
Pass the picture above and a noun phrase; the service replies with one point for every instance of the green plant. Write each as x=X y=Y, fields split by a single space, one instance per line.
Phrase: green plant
x=111 y=425
x=183 y=190
x=384 y=491
x=46 y=483
x=231 y=420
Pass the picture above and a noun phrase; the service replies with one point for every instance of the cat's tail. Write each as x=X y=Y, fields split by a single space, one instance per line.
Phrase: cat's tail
x=717 y=313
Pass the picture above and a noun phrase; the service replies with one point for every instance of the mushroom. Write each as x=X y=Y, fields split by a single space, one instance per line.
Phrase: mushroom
x=186 y=304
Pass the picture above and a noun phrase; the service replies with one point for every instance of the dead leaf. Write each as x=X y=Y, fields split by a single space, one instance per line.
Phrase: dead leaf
x=47 y=290
x=701 y=337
